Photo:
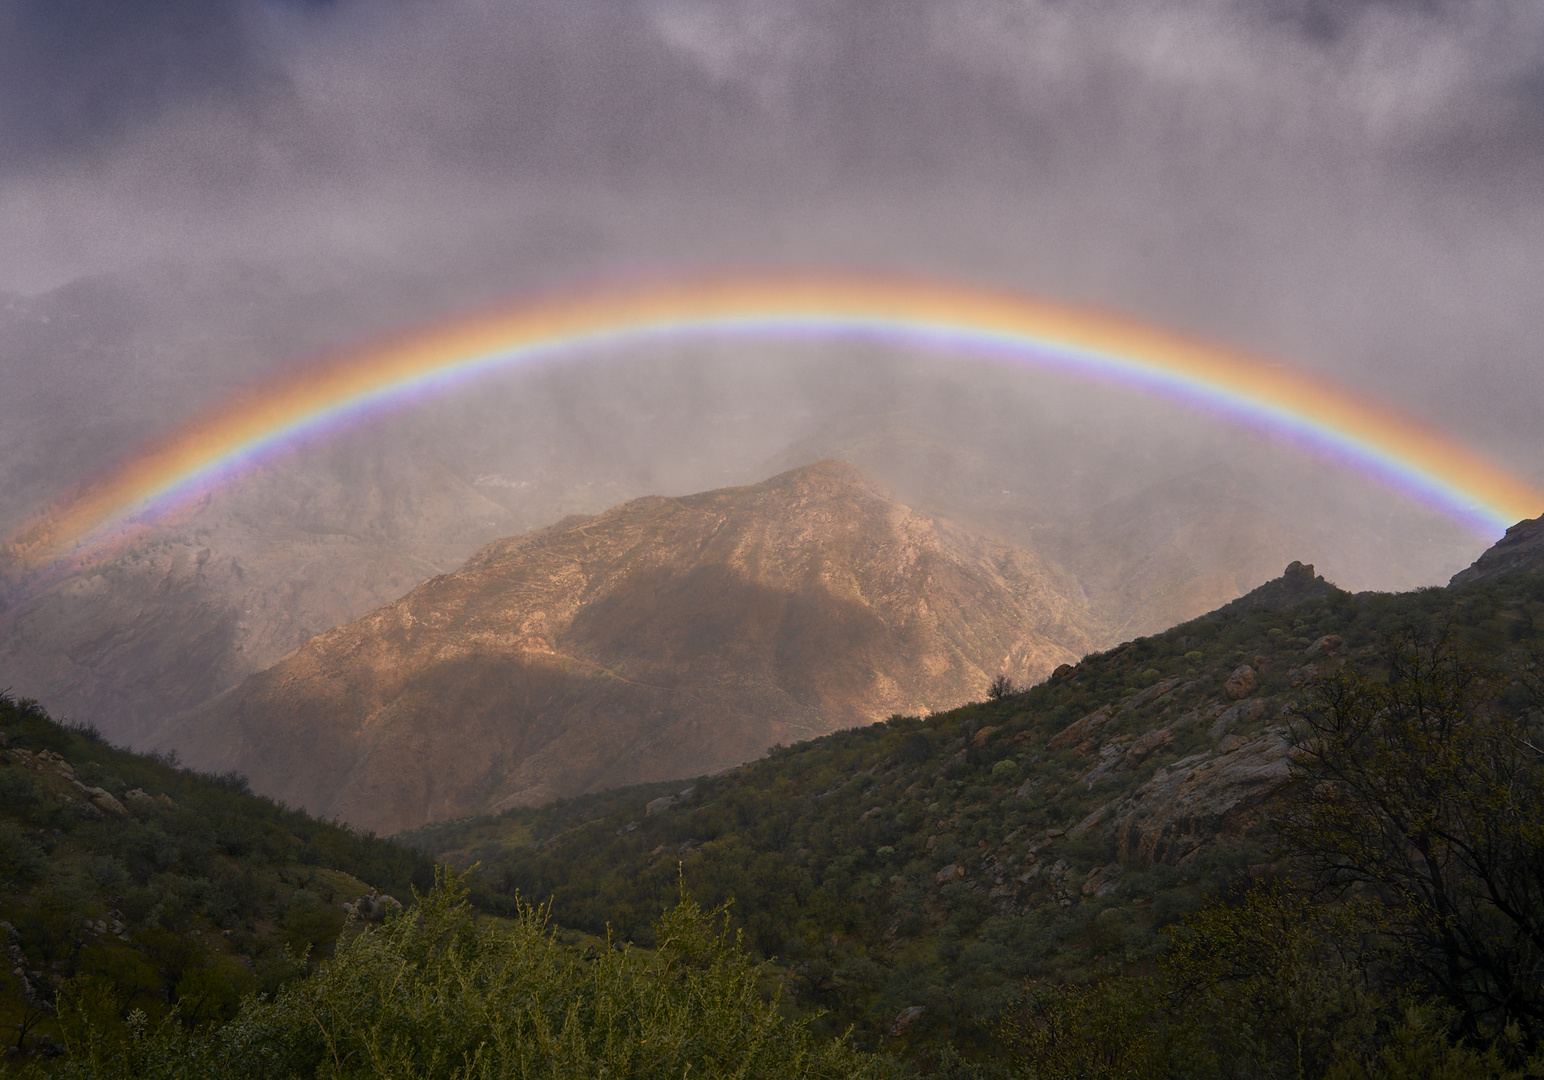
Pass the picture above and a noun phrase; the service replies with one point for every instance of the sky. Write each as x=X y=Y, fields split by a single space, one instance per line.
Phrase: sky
x=216 y=188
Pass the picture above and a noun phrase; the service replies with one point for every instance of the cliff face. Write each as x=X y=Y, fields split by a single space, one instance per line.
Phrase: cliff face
x=666 y=637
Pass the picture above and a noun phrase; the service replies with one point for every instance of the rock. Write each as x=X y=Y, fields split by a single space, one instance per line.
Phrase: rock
x=57 y=763
x=905 y=1019
x=631 y=826
x=950 y=873
x=1243 y=712
x=979 y=739
x=1520 y=551
x=1203 y=797
x=1102 y=882
x=104 y=801
x=1147 y=744
x=1089 y=822
x=1241 y=683
x=659 y=805
x=1152 y=693
x=137 y=795
x=1062 y=671
x=1328 y=645
x=372 y=906
x=1296 y=569
x=951 y=762
x=1112 y=760
x=1081 y=728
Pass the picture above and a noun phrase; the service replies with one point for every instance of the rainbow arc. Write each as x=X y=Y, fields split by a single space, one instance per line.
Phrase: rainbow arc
x=952 y=320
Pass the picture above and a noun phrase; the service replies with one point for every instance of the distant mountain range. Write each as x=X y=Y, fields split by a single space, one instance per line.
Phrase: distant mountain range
x=665 y=637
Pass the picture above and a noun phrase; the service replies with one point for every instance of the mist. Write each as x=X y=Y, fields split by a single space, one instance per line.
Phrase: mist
x=195 y=193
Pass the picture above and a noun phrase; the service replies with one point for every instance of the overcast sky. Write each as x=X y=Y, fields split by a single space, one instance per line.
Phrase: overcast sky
x=1356 y=187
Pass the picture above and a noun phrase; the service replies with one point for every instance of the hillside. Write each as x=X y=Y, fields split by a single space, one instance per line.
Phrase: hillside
x=915 y=875
x=664 y=637
x=161 y=886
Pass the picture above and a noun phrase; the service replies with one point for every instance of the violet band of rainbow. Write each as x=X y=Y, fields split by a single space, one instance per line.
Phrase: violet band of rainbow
x=915 y=315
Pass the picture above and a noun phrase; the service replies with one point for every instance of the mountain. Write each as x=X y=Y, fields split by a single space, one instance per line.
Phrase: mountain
x=665 y=637
x=1520 y=551
x=914 y=877
x=195 y=605
x=1157 y=518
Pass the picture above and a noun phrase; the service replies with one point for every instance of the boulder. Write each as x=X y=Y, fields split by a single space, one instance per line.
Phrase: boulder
x=373 y=905
x=1241 y=683
x=1328 y=645
x=1102 y=882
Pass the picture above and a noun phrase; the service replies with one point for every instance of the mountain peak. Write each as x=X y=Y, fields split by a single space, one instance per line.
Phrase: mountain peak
x=665 y=637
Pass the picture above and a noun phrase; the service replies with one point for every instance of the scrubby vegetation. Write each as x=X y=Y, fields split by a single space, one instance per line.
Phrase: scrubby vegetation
x=984 y=884
x=440 y=993
x=162 y=888
x=1302 y=837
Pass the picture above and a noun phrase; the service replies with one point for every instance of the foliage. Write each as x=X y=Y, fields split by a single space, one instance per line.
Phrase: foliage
x=939 y=862
x=1427 y=788
x=182 y=895
x=440 y=993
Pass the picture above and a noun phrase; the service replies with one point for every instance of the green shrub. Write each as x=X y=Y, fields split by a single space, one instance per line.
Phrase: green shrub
x=438 y=993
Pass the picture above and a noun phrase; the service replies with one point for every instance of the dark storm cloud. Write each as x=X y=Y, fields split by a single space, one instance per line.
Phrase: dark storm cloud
x=81 y=76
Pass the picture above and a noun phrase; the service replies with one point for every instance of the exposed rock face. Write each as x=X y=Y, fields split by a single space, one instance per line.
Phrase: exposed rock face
x=1201 y=798
x=666 y=637
x=1520 y=551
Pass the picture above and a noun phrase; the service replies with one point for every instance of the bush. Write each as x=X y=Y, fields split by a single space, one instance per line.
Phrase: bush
x=437 y=993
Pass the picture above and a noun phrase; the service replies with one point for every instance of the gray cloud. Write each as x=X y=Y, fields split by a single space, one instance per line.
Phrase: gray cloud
x=1354 y=186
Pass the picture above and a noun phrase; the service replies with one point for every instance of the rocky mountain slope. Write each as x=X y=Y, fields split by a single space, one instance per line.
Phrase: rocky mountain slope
x=666 y=637
x=1520 y=551
x=914 y=876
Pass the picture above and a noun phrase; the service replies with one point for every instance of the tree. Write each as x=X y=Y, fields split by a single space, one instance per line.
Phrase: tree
x=1426 y=792
x=1001 y=687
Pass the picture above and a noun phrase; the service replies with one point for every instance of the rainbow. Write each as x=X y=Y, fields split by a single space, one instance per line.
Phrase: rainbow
x=951 y=319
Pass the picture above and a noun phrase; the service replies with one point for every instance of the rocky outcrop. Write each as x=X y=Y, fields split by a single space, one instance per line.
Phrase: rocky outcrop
x=1520 y=551
x=1204 y=797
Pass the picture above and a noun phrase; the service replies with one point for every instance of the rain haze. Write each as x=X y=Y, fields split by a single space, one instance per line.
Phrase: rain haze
x=195 y=193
